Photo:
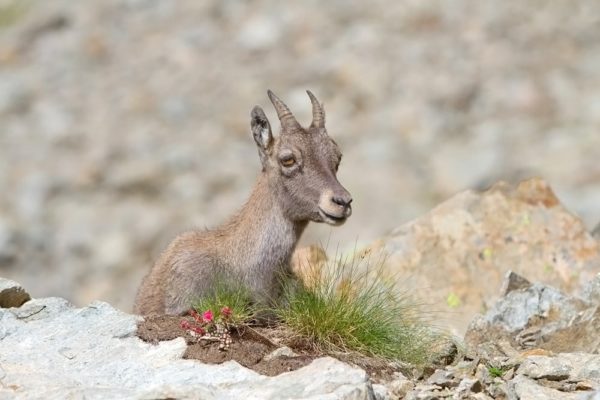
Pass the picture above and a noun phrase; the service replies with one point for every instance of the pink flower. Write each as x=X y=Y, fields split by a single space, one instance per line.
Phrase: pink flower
x=185 y=324
x=198 y=330
x=207 y=316
x=226 y=312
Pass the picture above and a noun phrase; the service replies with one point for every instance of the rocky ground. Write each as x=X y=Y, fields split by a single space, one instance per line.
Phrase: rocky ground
x=532 y=334
x=50 y=349
x=123 y=122
x=535 y=343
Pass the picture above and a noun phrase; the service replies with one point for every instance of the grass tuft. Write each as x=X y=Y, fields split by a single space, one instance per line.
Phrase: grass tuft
x=496 y=372
x=351 y=305
x=228 y=293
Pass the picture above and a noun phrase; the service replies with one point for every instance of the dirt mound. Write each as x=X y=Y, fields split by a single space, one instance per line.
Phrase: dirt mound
x=250 y=345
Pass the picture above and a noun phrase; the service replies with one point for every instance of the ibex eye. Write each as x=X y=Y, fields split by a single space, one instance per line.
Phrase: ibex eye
x=288 y=161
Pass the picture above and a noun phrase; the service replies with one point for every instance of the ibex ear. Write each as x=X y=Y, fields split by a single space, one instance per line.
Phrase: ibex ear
x=261 y=131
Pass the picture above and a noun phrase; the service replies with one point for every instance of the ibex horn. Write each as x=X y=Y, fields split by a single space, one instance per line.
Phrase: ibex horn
x=317 y=111
x=287 y=119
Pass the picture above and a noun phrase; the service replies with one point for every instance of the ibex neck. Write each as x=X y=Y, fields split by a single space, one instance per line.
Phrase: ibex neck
x=261 y=230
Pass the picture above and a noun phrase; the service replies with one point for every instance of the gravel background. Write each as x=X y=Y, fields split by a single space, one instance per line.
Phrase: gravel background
x=124 y=122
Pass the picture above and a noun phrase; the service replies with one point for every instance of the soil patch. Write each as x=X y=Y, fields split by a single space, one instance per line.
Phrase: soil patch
x=250 y=345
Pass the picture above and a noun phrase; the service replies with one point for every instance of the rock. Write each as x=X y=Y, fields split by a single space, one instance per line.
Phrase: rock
x=446 y=352
x=399 y=386
x=280 y=352
x=479 y=396
x=427 y=392
x=499 y=390
x=584 y=367
x=12 y=294
x=509 y=374
x=443 y=379
x=50 y=349
x=482 y=374
x=591 y=396
x=531 y=374
x=527 y=389
x=591 y=292
x=468 y=386
x=445 y=113
x=475 y=238
x=381 y=392
x=512 y=282
x=540 y=367
x=539 y=316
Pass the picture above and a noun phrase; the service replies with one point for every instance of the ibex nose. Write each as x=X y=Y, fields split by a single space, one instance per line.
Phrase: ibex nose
x=334 y=205
x=342 y=200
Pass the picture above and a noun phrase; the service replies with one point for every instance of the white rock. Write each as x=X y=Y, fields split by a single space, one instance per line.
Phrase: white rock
x=280 y=352
x=400 y=386
x=381 y=392
x=592 y=396
x=542 y=367
x=528 y=389
x=51 y=350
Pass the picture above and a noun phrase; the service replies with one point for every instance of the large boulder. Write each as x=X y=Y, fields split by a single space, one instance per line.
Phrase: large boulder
x=50 y=349
x=456 y=255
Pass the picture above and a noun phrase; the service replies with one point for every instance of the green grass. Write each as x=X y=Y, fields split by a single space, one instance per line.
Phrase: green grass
x=496 y=372
x=228 y=293
x=353 y=306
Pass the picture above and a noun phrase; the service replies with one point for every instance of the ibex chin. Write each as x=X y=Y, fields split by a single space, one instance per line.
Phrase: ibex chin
x=297 y=184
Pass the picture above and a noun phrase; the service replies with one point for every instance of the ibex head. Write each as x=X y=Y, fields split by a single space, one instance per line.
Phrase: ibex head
x=301 y=164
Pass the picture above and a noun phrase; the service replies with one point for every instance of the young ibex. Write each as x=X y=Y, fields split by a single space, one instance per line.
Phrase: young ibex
x=297 y=184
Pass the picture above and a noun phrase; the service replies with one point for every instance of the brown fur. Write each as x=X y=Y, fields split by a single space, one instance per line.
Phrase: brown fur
x=297 y=184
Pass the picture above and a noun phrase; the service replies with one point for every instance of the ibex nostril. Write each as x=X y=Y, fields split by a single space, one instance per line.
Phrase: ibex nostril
x=341 y=201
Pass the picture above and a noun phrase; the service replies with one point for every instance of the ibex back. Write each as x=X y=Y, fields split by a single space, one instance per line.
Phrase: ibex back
x=297 y=184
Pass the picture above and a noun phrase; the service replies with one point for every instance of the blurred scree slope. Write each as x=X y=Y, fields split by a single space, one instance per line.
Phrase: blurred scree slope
x=124 y=122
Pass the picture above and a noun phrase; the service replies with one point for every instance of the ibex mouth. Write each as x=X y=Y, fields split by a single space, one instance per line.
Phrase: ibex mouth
x=333 y=219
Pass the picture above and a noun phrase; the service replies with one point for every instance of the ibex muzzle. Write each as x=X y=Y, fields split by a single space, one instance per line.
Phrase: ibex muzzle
x=298 y=184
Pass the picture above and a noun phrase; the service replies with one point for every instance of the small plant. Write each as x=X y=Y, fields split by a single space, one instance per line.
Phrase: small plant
x=496 y=372
x=353 y=306
x=206 y=327
x=228 y=294
x=232 y=307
